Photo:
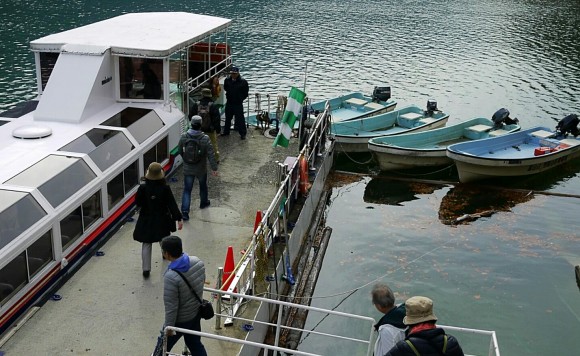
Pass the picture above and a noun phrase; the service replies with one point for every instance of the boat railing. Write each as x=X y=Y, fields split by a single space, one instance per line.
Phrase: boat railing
x=355 y=339
x=274 y=226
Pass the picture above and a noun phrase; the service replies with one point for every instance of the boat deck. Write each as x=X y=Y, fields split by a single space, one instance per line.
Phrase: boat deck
x=108 y=299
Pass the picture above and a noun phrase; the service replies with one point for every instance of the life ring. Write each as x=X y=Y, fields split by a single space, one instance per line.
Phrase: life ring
x=304 y=183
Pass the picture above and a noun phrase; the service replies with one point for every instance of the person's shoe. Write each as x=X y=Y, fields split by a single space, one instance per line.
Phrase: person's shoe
x=146 y=274
x=243 y=137
x=185 y=216
x=203 y=206
x=224 y=134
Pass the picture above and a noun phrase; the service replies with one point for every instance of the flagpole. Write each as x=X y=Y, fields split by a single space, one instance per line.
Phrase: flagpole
x=301 y=111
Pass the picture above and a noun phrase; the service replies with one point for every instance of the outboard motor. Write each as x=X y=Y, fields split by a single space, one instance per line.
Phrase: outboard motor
x=381 y=94
x=501 y=117
x=431 y=107
x=569 y=124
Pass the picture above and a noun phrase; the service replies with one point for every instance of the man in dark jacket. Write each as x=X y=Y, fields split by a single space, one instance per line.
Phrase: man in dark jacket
x=236 y=89
x=210 y=118
x=181 y=307
x=198 y=168
x=423 y=336
x=390 y=327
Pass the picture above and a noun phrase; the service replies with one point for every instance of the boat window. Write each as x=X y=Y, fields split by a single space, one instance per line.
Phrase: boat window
x=18 y=212
x=91 y=210
x=105 y=147
x=80 y=219
x=141 y=123
x=47 y=62
x=57 y=177
x=2 y=122
x=119 y=186
x=141 y=78
x=40 y=253
x=71 y=228
x=157 y=153
x=20 y=109
x=13 y=277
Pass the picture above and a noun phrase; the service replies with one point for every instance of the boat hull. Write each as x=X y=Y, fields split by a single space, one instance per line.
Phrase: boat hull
x=512 y=155
x=428 y=148
x=354 y=135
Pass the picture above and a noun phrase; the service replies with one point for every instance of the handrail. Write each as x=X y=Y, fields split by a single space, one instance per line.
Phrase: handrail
x=493 y=349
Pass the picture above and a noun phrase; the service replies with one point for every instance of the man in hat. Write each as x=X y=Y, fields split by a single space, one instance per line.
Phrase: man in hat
x=423 y=336
x=210 y=118
x=390 y=327
x=236 y=89
x=195 y=148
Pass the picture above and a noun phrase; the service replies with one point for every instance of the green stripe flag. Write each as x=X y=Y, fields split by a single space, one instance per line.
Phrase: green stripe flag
x=291 y=114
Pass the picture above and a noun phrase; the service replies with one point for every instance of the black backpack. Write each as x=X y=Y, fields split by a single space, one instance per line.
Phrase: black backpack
x=193 y=150
x=203 y=111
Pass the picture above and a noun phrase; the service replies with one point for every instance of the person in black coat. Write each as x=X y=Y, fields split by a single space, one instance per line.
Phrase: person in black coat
x=423 y=336
x=236 y=89
x=158 y=213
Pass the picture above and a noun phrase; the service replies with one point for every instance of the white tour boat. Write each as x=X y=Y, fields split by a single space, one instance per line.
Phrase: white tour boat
x=109 y=98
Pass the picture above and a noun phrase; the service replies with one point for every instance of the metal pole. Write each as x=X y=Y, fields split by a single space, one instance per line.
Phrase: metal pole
x=218 y=318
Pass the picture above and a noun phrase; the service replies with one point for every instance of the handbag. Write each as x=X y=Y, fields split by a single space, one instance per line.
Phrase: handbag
x=170 y=222
x=205 y=307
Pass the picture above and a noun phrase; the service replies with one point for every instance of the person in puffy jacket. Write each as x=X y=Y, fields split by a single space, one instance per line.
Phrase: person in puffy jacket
x=181 y=307
x=423 y=337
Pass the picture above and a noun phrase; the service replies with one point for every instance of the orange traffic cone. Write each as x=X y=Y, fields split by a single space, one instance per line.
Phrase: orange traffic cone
x=228 y=269
x=258 y=220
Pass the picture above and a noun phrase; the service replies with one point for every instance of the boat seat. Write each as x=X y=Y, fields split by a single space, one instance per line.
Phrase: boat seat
x=408 y=120
x=499 y=132
x=356 y=101
x=480 y=128
x=570 y=142
x=476 y=132
x=374 y=106
x=427 y=120
x=543 y=134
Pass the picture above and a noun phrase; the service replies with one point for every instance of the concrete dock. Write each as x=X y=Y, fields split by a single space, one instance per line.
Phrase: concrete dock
x=108 y=308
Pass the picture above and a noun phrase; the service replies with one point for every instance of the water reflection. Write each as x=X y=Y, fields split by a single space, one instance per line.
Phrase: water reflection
x=465 y=203
x=395 y=192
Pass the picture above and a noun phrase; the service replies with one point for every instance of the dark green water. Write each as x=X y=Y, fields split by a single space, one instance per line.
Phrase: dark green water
x=512 y=271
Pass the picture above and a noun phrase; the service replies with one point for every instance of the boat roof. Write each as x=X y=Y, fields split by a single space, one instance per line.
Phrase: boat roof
x=146 y=34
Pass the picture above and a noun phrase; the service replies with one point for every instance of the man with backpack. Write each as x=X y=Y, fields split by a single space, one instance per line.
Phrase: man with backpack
x=195 y=148
x=210 y=118
x=423 y=337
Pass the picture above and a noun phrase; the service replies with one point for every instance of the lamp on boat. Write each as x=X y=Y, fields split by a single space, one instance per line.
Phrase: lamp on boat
x=32 y=132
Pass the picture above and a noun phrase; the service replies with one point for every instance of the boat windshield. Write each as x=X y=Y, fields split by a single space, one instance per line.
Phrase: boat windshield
x=141 y=123
x=18 y=212
x=56 y=177
x=105 y=147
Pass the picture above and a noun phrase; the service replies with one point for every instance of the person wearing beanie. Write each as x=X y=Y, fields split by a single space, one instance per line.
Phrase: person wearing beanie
x=196 y=149
x=423 y=336
x=237 y=90
x=390 y=327
x=158 y=213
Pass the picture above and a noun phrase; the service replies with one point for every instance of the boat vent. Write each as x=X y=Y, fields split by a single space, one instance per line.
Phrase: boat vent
x=32 y=132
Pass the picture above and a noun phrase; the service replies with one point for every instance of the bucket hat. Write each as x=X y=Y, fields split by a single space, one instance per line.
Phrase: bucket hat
x=418 y=310
x=155 y=172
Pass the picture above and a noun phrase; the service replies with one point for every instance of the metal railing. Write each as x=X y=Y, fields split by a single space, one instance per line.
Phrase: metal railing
x=278 y=327
x=359 y=342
